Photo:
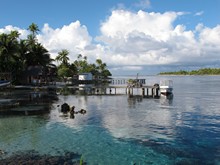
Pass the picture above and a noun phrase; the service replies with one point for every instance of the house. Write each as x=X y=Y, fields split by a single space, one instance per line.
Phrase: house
x=38 y=75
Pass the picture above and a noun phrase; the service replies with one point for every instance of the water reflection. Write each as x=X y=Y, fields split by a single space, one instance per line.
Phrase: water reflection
x=26 y=102
x=139 y=120
x=132 y=101
x=180 y=130
x=166 y=101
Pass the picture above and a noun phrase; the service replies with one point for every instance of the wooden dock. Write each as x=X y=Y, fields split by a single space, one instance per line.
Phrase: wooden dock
x=116 y=87
x=144 y=91
x=122 y=86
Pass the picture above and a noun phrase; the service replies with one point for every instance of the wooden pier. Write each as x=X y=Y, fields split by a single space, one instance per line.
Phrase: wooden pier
x=116 y=87
x=122 y=86
x=144 y=91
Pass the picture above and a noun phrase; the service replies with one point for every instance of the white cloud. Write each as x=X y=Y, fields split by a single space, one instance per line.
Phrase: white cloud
x=122 y=22
x=73 y=37
x=7 y=29
x=143 y=4
x=144 y=38
x=132 y=40
x=199 y=13
x=127 y=68
x=210 y=36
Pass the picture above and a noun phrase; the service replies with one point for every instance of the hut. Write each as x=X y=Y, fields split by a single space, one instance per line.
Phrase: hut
x=38 y=75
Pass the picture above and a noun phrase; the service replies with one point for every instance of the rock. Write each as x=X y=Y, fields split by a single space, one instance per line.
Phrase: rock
x=82 y=111
x=65 y=108
x=32 y=157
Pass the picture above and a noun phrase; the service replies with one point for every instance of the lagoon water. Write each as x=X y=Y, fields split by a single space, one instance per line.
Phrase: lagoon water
x=120 y=130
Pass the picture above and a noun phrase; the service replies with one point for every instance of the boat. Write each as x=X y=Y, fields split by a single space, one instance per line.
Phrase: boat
x=4 y=83
x=166 y=87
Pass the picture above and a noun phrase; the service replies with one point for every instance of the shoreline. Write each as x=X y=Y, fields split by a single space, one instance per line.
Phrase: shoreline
x=34 y=157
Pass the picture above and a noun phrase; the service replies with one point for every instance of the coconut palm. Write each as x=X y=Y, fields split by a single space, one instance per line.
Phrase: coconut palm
x=102 y=68
x=31 y=38
x=38 y=56
x=34 y=29
x=63 y=57
x=8 y=51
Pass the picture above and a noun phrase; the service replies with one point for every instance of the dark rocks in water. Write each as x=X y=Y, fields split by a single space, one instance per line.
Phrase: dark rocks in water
x=65 y=108
x=2 y=152
x=72 y=112
x=82 y=111
x=32 y=157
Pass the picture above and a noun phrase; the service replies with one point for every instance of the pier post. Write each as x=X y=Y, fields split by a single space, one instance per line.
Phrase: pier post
x=130 y=91
x=147 y=92
x=97 y=91
x=157 y=92
x=143 y=92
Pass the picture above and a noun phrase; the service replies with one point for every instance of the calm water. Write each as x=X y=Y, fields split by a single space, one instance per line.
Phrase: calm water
x=118 y=130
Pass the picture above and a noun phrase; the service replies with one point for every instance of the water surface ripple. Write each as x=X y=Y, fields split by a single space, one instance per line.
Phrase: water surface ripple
x=121 y=130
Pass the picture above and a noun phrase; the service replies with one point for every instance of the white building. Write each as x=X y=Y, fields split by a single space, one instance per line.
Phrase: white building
x=85 y=76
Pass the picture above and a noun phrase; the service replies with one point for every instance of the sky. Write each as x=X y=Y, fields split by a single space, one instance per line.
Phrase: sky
x=130 y=36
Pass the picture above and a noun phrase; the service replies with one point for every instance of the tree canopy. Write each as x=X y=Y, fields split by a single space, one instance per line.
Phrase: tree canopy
x=80 y=65
x=16 y=54
x=203 y=71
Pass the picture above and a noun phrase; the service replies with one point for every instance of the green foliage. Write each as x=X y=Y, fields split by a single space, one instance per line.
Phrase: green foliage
x=81 y=65
x=64 y=71
x=63 y=57
x=16 y=55
x=81 y=160
x=203 y=71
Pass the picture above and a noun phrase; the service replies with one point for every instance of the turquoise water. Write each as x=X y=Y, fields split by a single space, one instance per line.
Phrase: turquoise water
x=121 y=130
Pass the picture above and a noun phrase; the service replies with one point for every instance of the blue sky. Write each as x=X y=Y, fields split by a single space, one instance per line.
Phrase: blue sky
x=122 y=33
x=90 y=13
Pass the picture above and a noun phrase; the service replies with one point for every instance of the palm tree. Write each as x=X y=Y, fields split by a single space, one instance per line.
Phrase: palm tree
x=8 y=51
x=22 y=53
x=14 y=34
x=39 y=56
x=34 y=29
x=102 y=68
x=63 y=57
x=31 y=38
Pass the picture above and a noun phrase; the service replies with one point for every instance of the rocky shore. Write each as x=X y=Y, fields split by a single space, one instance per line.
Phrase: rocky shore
x=33 y=157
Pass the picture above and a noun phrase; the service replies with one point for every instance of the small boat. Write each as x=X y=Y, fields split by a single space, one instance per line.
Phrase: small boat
x=4 y=83
x=166 y=87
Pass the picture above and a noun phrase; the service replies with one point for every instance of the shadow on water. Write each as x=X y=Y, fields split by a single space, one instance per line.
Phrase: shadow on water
x=26 y=102
x=181 y=154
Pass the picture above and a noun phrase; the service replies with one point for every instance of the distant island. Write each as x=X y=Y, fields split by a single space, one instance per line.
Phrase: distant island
x=204 y=71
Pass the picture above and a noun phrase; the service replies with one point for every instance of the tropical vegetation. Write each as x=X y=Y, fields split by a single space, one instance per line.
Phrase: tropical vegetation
x=203 y=71
x=80 y=65
x=16 y=55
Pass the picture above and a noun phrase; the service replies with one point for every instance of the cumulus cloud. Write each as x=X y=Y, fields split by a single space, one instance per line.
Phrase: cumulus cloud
x=142 y=38
x=131 y=40
x=7 y=29
x=73 y=37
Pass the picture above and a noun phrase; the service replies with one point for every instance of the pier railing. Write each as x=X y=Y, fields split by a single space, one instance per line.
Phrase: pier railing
x=123 y=81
